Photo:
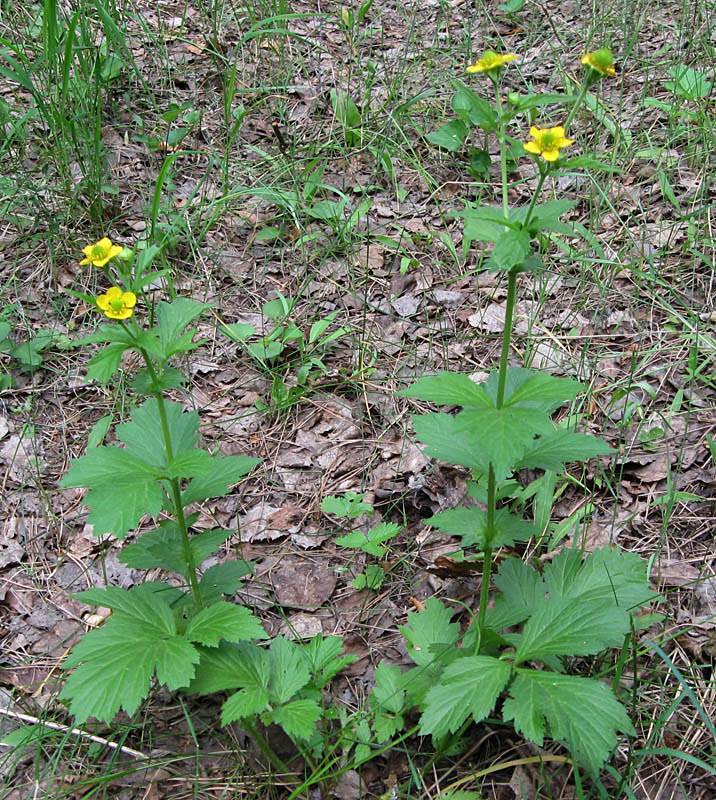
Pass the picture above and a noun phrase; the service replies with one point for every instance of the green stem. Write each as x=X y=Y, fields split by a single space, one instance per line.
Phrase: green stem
x=578 y=102
x=506 y=336
x=503 y=152
x=543 y=172
x=187 y=553
x=487 y=555
x=265 y=747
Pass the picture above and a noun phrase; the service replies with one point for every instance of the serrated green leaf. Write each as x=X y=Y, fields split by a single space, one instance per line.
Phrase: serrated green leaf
x=298 y=717
x=223 y=579
x=325 y=658
x=427 y=629
x=190 y=464
x=172 y=320
x=452 y=439
x=350 y=505
x=559 y=627
x=244 y=703
x=521 y=591
x=607 y=575
x=526 y=388
x=482 y=224
x=553 y=450
x=471 y=524
x=103 y=364
x=224 y=620
x=121 y=489
x=581 y=713
x=225 y=472
x=370 y=542
x=387 y=699
x=469 y=686
x=289 y=670
x=114 y=664
x=388 y=693
x=238 y=331
x=99 y=431
x=449 y=136
x=506 y=433
x=232 y=666
x=161 y=548
x=449 y=388
x=142 y=435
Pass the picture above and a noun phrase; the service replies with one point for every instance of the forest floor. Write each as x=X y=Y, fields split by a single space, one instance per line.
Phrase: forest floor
x=246 y=128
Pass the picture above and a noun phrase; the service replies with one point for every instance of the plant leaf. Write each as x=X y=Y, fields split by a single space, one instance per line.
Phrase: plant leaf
x=449 y=136
x=289 y=670
x=553 y=450
x=471 y=524
x=506 y=433
x=511 y=250
x=372 y=541
x=121 y=489
x=452 y=439
x=449 y=388
x=429 y=630
x=224 y=620
x=244 y=703
x=173 y=319
x=581 y=713
x=113 y=665
x=225 y=472
x=143 y=433
x=469 y=686
x=521 y=591
x=298 y=717
x=232 y=666
x=571 y=627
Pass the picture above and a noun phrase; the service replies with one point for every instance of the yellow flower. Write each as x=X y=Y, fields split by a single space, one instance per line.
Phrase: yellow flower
x=601 y=61
x=547 y=142
x=117 y=304
x=491 y=61
x=99 y=253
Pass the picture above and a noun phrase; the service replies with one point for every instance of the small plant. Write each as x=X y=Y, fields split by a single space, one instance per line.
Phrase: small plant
x=519 y=647
x=287 y=354
x=182 y=634
x=372 y=542
x=26 y=356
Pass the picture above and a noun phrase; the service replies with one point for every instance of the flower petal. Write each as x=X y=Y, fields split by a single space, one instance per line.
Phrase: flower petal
x=114 y=293
x=532 y=147
x=550 y=155
x=129 y=299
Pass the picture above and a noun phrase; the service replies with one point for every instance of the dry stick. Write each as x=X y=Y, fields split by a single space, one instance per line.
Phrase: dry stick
x=55 y=726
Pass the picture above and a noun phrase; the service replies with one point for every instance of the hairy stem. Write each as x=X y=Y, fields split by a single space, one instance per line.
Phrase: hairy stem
x=578 y=102
x=506 y=336
x=265 y=747
x=187 y=553
x=503 y=152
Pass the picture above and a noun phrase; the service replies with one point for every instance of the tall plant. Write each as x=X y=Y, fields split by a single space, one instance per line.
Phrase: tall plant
x=519 y=644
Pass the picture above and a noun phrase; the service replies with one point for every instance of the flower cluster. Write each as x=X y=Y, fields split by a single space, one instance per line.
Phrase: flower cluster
x=114 y=303
x=546 y=143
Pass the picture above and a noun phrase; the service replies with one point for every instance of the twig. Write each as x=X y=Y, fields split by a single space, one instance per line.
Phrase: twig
x=55 y=726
